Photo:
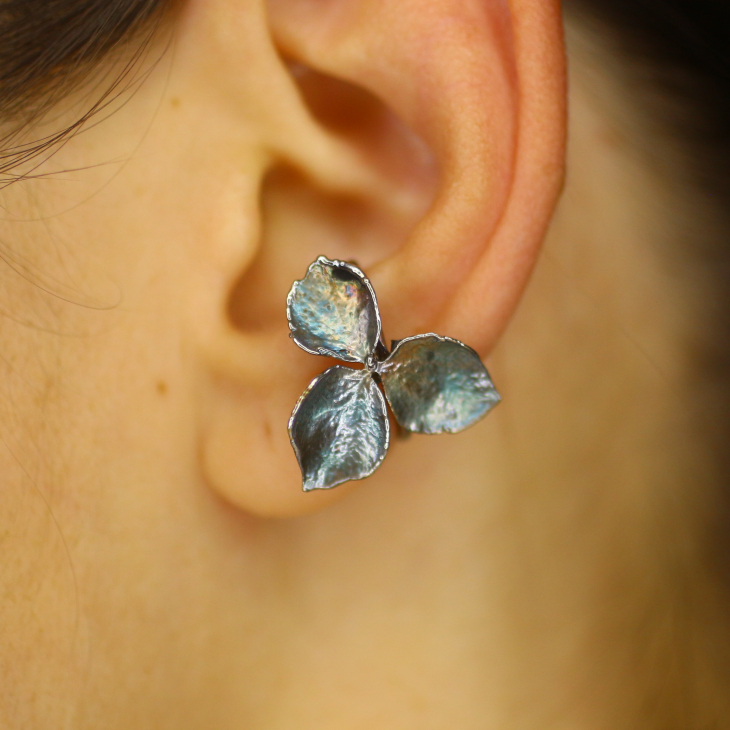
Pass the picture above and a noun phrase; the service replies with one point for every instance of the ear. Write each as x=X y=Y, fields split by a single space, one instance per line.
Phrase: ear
x=423 y=139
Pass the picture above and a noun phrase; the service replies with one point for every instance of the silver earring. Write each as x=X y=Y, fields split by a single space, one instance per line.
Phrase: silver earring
x=339 y=427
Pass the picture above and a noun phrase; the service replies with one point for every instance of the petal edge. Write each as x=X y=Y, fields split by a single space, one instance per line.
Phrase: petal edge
x=333 y=311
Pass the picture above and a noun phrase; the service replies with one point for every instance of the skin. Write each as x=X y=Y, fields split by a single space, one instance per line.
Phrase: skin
x=162 y=568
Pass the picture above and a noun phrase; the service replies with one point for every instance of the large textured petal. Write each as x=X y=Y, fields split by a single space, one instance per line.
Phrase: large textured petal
x=333 y=311
x=435 y=384
x=339 y=428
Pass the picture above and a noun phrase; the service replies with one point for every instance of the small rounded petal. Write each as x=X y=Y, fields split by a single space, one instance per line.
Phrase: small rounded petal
x=339 y=428
x=333 y=311
x=436 y=384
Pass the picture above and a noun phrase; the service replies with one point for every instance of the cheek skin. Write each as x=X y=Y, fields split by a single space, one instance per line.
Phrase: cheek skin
x=103 y=510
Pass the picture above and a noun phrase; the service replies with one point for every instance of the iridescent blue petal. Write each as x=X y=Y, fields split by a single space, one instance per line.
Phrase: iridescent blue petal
x=333 y=311
x=339 y=428
x=435 y=384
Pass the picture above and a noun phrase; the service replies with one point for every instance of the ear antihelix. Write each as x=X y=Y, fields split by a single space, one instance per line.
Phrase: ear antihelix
x=339 y=427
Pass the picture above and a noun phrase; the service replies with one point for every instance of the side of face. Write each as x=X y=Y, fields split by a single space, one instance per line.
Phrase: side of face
x=161 y=546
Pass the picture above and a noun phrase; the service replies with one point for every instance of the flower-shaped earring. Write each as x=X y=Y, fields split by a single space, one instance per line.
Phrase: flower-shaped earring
x=339 y=427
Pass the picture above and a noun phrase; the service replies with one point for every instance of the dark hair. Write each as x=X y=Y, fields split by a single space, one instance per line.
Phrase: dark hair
x=47 y=47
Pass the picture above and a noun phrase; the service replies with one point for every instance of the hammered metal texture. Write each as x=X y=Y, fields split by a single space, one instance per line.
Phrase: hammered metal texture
x=339 y=428
x=435 y=384
x=332 y=311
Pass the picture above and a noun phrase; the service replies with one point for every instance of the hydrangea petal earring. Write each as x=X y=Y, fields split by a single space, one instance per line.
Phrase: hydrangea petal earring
x=339 y=428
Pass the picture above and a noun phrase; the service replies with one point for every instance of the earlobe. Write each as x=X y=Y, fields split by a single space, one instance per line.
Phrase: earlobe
x=425 y=145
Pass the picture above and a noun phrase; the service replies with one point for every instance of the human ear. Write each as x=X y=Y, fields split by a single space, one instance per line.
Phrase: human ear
x=422 y=139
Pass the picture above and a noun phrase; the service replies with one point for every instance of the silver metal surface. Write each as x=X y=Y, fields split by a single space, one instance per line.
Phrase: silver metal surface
x=333 y=311
x=436 y=384
x=339 y=428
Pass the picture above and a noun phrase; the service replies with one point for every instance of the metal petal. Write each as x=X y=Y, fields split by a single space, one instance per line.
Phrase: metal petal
x=435 y=384
x=339 y=428
x=333 y=311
